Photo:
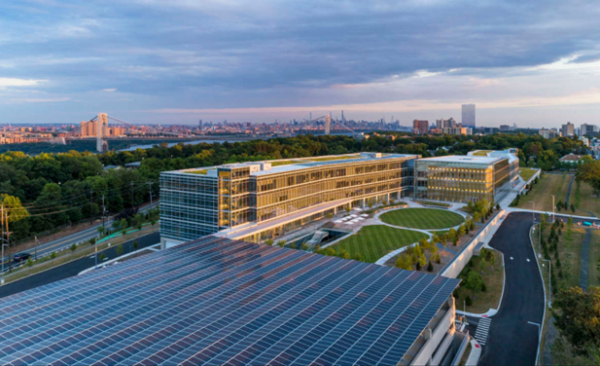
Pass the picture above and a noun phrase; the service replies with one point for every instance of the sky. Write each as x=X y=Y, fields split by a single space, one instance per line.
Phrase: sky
x=535 y=63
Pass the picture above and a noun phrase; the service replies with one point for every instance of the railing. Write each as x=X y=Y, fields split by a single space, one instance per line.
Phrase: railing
x=461 y=350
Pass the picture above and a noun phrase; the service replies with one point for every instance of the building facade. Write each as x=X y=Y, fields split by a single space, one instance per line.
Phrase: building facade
x=233 y=197
x=468 y=115
x=568 y=130
x=420 y=127
x=587 y=129
x=465 y=178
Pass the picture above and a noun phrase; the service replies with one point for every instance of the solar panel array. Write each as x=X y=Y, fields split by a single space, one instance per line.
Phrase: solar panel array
x=219 y=301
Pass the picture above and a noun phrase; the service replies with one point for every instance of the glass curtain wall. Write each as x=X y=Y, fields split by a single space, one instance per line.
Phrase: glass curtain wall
x=454 y=182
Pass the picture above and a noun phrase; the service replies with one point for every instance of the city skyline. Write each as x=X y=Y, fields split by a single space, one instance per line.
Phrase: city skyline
x=183 y=61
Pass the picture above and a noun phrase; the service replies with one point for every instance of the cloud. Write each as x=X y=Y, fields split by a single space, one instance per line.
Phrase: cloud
x=10 y=82
x=110 y=90
x=223 y=55
x=36 y=100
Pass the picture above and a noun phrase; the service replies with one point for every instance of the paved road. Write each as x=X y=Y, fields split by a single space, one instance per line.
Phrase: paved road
x=512 y=340
x=67 y=241
x=71 y=268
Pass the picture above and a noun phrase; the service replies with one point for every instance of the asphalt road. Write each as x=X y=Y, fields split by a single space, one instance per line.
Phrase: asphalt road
x=72 y=268
x=67 y=241
x=512 y=340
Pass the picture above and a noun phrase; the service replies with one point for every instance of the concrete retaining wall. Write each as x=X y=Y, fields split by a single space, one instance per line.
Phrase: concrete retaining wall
x=535 y=175
x=454 y=268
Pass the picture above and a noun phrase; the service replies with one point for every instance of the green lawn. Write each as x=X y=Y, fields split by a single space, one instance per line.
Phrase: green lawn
x=541 y=193
x=422 y=218
x=527 y=173
x=375 y=241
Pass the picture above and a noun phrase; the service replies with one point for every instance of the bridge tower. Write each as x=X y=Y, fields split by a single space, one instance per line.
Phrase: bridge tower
x=102 y=123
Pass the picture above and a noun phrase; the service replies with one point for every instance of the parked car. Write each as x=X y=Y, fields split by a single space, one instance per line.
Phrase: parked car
x=21 y=257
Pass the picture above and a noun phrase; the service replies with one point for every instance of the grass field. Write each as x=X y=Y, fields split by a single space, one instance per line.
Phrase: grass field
x=375 y=241
x=570 y=256
x=422 y=218
x=594 y=260
x=493 y=277
x=527 y=173
x=541 y=194
x=584 y=200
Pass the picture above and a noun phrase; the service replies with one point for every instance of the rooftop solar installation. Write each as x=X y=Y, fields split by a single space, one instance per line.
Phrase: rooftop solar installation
x=219 y=301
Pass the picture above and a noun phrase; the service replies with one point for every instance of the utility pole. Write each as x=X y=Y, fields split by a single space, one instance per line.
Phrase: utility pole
x=553 y=218
x=91 y=207
x=36 y=245
x=8 y=242
x=150 y=190
x=2 y=239
x=103 y=210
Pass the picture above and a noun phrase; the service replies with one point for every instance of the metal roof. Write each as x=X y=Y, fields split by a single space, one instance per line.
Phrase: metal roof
x=217 y=301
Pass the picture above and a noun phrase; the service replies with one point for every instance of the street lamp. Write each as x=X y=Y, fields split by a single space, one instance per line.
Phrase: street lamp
x=549 y=282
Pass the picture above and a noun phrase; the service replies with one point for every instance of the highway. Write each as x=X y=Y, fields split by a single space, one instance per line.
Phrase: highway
x=72 y=268
x=66 y=241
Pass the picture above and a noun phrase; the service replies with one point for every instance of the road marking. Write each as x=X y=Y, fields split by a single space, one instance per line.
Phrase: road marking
x=528 y=260
x=511 y=258
x=483 y=329
x=532 y=323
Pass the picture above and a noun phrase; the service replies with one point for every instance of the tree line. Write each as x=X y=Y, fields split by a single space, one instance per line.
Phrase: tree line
x=46 y=191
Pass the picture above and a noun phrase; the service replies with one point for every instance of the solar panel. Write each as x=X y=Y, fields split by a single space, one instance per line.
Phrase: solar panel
x=219 y=301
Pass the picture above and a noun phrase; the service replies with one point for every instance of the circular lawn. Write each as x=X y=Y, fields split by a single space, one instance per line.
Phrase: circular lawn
x=422 y=218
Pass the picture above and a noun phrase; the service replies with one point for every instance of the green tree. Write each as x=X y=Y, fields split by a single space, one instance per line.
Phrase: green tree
x=269 y=242
x=344 y=254
x=474 y=281
x=135 y=245
x=421 y=261
x=17 y=216
x=73 y=248
x=430 y=267
x=29 y=264
x=53 y=256
x=577 y=317
x=92 y=241
x=404 y=261
x=462 y=230
x=119 y=250
x=101 y=230
x=281 y=243
x=101 y=257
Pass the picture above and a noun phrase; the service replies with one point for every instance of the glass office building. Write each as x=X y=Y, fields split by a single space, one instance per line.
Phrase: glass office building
x=198 y=202
x=465 y=178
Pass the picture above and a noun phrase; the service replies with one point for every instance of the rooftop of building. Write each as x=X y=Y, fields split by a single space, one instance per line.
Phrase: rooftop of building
x=485 y=160
x=265 y=167
x=218 y=301
x=571 y=157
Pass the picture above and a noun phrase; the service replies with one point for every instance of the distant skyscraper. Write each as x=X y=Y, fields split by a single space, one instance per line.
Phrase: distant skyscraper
x=568 y=129
x=468 y=115
x=343 y=118
x=327 y=125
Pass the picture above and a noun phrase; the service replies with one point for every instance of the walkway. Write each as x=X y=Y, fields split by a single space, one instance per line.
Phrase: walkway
x=569 y=191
